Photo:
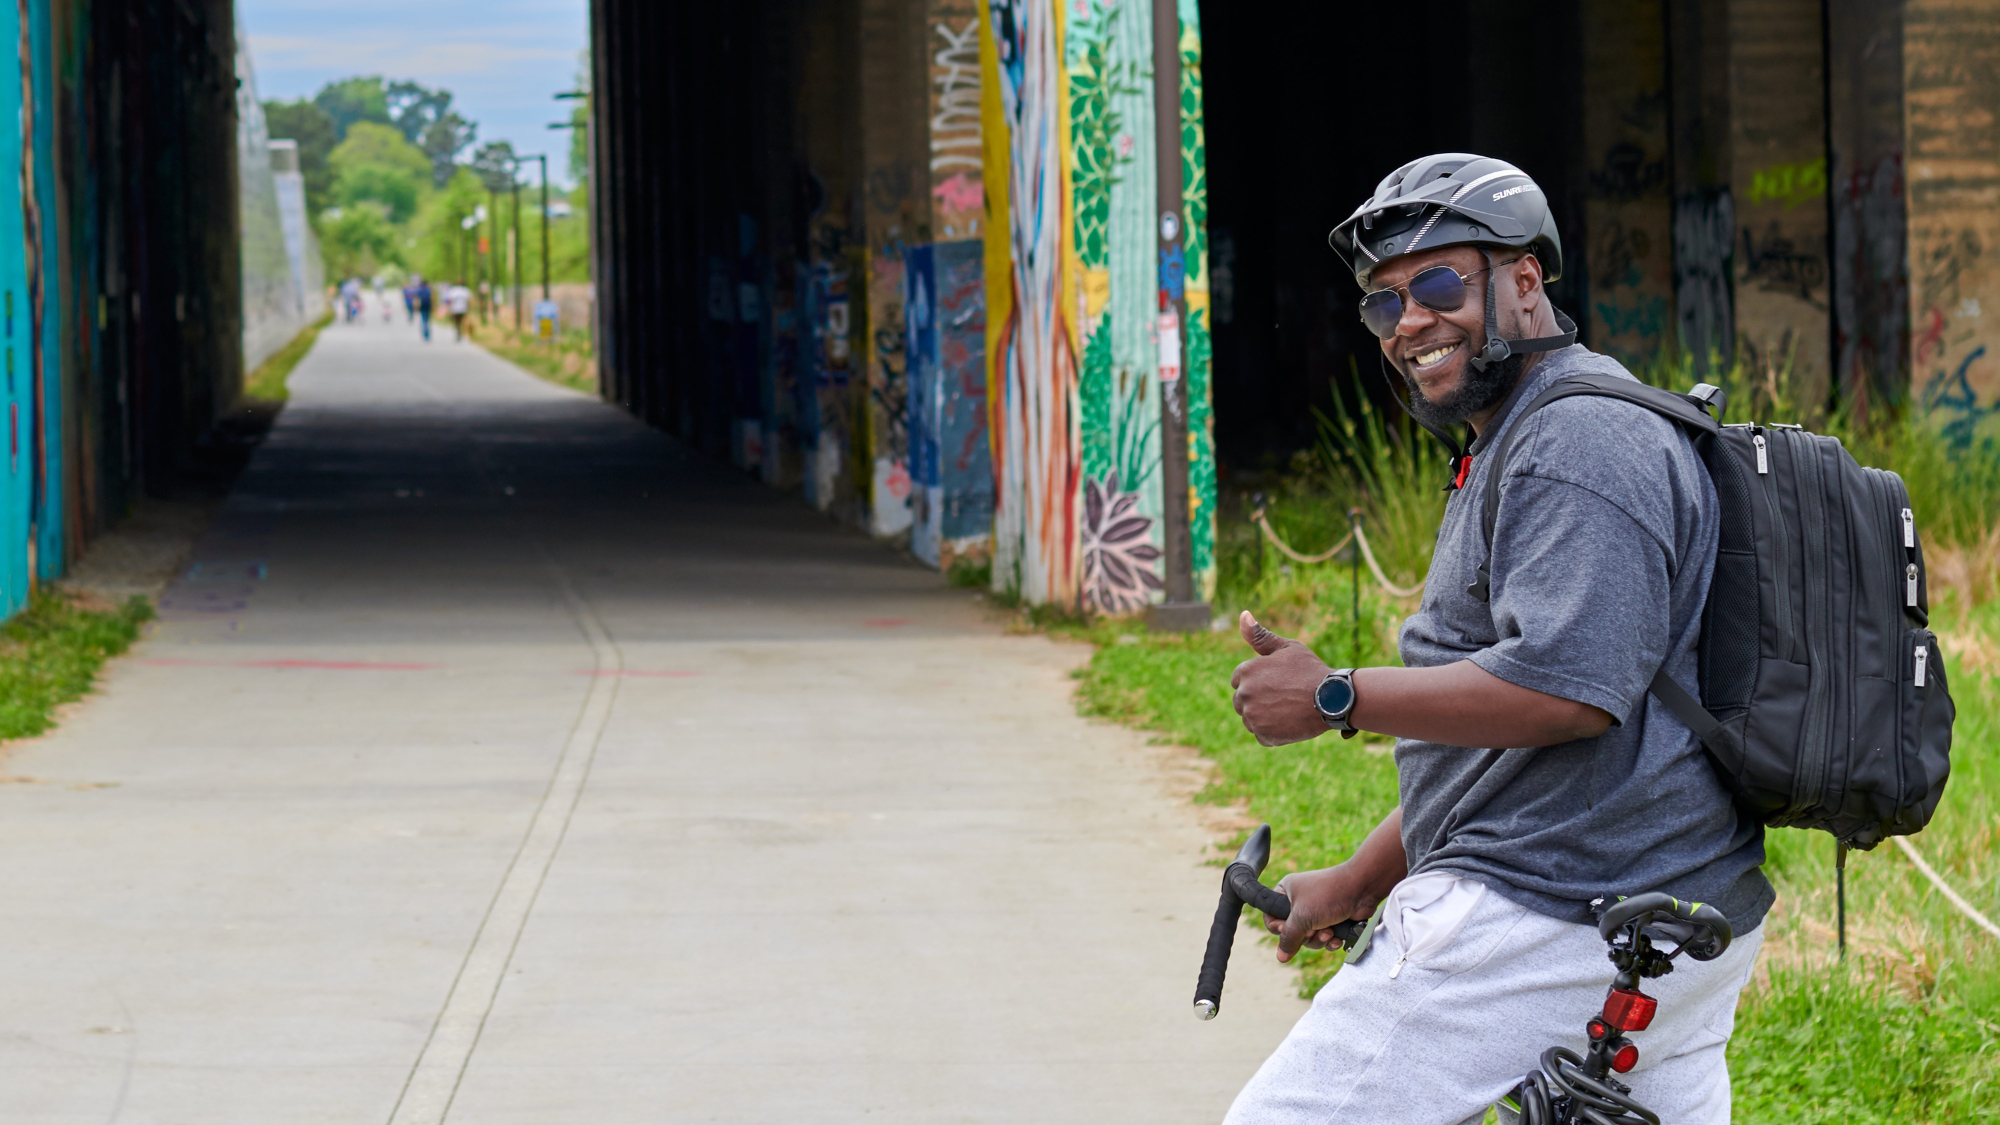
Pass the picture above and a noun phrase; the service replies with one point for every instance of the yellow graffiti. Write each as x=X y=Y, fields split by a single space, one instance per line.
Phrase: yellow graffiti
x=1790 y=184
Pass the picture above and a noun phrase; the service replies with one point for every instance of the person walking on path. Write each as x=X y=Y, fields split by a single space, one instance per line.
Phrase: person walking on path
x=458 y=299
x=1600 y=564
x=421 y=298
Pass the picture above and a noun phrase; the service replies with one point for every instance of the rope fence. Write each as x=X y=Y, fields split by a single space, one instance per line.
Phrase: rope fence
x=1944 y=888
x=1355 y=534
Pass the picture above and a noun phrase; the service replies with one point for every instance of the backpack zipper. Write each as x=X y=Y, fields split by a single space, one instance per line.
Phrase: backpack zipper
x=1814 y=737
x=1909 y=531
x=1923 y=658
x=1781 y=585
x=1910 y=586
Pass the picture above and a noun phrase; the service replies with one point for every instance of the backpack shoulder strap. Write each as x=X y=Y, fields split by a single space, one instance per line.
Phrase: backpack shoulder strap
x=1689 y=411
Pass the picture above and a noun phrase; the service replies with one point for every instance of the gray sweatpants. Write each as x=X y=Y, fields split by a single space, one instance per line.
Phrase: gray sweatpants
x=1457 y=1026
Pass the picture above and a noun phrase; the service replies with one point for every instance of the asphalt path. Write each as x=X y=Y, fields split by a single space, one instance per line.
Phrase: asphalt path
x=499 y=760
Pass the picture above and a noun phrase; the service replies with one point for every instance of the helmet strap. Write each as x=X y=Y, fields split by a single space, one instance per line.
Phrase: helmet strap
x=1497 y=350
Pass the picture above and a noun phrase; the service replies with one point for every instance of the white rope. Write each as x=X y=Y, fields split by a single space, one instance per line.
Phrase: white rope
x=1369 y=554
x=1952 y=896
x=1354 y=533
x=1280 y=544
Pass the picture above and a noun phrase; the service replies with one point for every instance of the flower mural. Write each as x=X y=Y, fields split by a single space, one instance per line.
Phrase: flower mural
x=1120 y=563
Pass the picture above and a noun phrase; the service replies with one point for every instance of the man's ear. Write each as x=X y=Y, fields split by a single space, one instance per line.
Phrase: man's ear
x=1528 y=278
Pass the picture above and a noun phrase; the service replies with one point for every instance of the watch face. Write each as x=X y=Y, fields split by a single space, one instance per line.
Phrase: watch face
x=1335 y=697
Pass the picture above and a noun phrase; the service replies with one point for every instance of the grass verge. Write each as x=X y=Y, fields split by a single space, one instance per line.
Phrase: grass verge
x=267 y=383
x=569 y=361
x=50 y=654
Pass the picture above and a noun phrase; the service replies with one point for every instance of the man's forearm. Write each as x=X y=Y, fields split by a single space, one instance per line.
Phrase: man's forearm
x=1380 y=862
x=1463 y=704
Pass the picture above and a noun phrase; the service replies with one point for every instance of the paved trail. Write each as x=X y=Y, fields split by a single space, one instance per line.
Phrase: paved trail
x=499 y=761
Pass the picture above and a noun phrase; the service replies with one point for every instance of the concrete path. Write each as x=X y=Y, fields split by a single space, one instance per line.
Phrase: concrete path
x=498 y=761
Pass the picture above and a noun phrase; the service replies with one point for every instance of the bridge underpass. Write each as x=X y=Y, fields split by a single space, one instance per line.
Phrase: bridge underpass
x=498 y=759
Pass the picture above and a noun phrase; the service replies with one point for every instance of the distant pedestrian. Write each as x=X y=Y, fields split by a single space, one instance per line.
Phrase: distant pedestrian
x=350 y=299
x=410 y=299
x=459 y=300
x=422 y=299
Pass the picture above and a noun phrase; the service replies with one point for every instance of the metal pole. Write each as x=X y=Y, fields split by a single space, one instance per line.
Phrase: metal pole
x=544 y=158
x=1181 y=611
x=514 y=273
x=492 y=272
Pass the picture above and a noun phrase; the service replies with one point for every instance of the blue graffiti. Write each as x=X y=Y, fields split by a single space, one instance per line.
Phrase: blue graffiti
x=1955 y=395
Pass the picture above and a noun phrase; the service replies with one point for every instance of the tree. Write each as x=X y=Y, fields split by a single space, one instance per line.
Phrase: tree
x=494 y=163
x=353 y=100
x=358 y=240
x=309 y=125
x=376 y=163
x=443 y=140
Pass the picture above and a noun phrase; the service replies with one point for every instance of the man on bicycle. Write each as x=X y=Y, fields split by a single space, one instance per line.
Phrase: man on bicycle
x=1536 y=773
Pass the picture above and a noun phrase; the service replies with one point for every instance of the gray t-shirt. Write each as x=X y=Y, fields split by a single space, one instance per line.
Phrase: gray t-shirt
x=1602 y=555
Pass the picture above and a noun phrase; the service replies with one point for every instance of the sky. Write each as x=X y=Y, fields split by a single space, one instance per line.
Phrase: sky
x=503 y=60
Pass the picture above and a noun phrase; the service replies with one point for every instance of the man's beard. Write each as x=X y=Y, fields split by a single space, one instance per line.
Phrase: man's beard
x=1477 y=391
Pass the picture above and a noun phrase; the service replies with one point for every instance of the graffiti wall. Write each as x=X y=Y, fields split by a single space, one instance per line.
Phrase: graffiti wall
x=17 y=403
x=1954 y=230
x=950 y=470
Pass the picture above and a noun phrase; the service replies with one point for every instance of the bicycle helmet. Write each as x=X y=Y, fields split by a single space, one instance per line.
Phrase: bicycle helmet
x=1458 y=199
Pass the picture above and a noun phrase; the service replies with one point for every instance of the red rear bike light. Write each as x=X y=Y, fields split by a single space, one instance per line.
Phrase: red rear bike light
x=1598 y=1029
x=1626 y=1058
x=1629 y=1011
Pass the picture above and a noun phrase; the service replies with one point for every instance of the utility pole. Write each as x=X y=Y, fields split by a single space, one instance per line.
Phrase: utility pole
x=514 y=249
x=590 y=204
x=489 y=283
x=1180 y=612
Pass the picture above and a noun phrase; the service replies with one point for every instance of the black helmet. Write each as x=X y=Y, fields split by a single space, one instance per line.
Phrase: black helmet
x=1458 y=199
x=1451 y=199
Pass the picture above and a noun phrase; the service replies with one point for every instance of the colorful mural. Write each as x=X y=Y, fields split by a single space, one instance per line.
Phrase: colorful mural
x=1035 y=442
x=1072 y=334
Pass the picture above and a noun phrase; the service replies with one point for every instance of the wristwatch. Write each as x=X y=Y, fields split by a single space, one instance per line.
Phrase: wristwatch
x=1335 y=700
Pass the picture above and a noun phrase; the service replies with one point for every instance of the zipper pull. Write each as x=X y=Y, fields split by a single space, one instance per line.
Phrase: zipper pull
x=1923 y=657
x=1909 y=530
x=1398 y=966
x=1910 y=585
x=1763 y=463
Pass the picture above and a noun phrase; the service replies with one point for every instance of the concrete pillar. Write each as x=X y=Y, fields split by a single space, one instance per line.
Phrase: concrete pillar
x=832 y=376
x=1778 y=179
x=1749 y=178
x=1869 y=223
x=1953 y=88
x=1628 y=201
x=895 y=215
x=950 y=466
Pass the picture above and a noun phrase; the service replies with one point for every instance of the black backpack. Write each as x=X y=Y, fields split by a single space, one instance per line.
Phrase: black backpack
x=1823 y=698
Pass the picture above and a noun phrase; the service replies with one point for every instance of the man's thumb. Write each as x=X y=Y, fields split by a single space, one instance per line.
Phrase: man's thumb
x=1264 y=641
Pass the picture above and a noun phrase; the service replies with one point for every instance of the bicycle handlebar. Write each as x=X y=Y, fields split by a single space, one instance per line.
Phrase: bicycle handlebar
x=1241 y=884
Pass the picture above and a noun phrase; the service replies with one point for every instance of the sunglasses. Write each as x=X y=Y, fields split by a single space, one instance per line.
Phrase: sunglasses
x=1439 y=289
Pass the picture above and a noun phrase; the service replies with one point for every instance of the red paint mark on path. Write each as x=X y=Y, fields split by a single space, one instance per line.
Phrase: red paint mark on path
x=634 y=673
x=886 y=622
x=333 y=665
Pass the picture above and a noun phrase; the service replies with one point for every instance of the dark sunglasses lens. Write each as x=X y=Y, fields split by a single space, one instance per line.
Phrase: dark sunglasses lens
x=1439 y=289
x=1380 y=311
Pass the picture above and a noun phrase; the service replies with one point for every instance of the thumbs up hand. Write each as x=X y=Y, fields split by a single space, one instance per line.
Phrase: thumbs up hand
x=1274 y=690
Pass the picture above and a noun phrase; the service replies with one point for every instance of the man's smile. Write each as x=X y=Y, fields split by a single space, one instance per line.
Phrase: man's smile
x=1435 y=356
